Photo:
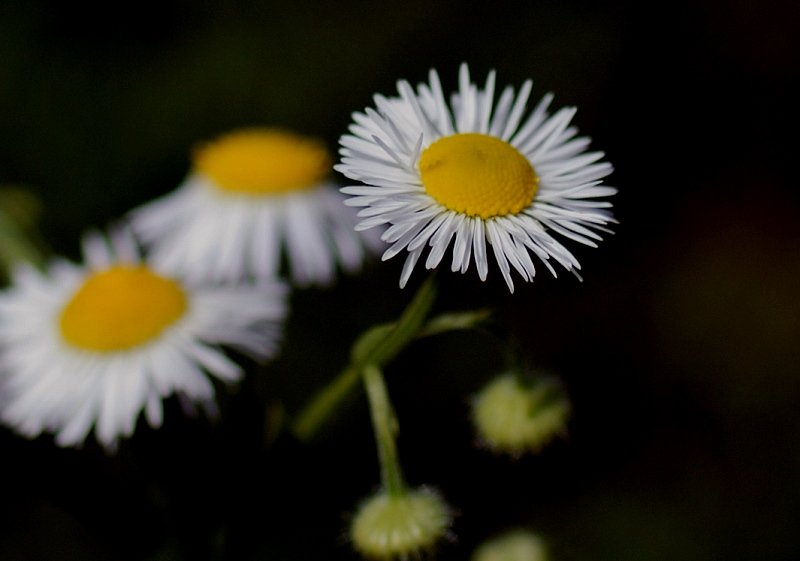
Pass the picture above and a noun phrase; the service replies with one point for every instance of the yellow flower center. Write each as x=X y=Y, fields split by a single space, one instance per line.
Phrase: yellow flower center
x=263 y=161
x=121 y=308
x=478 y=175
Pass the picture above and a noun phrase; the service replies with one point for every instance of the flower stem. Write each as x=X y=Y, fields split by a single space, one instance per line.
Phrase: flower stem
x=377 y=346
x=384 y=423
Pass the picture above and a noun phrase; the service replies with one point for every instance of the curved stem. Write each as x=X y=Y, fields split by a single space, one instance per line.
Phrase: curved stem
x=384 y=423
x=324 y=403
x=513 y=356
x=378 y=352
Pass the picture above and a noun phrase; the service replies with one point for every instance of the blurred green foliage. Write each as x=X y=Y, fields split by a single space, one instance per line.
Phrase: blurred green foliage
x=19 y=235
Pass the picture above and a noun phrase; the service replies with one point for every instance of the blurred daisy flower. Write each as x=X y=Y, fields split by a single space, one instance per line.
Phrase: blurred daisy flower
x=477 y=171
x=97 y=344
x=250 y=193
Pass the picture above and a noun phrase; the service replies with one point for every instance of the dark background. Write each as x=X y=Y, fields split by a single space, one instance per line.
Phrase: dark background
x=679 y=350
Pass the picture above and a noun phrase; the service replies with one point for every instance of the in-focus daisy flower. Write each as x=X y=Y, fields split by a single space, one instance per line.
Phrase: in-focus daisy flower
x=97 y=344
x=250 y=194
x=475 y=171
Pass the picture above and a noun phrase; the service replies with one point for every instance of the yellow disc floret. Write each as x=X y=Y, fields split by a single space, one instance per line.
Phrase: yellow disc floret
x=263 y=161
x=121 y=308
x=477 y=175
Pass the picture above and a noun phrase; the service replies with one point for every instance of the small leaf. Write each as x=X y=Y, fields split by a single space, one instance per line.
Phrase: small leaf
x=368 y=341
x=454 y=321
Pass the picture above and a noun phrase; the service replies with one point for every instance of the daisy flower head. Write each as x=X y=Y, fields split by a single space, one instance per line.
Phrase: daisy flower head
x=97 y=344
x=252 y=194
x=475 y=171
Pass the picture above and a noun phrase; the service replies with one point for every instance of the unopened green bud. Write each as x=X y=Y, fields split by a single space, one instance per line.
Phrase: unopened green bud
x=516 y=545
x=515 y=418
x=389 y=527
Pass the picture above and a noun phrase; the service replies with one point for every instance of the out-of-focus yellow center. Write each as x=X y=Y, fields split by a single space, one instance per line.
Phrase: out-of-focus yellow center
x=263 y=161
x=478 y=175
x=121 y=308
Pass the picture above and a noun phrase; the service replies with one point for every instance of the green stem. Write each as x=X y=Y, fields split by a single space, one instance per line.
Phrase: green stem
x=384 y=423
x=325 y=402
x=379 y=352
x=513 y=355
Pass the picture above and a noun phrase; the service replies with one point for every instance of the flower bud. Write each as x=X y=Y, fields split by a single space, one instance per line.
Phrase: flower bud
x=516 y=545
x=387 y=527
x=515 y=418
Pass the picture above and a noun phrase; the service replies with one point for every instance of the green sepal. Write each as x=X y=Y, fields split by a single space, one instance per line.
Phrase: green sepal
x=454 y=321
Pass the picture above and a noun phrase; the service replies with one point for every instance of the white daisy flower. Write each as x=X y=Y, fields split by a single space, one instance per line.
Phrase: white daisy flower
x=97 y=344
x=249 y=193
x=477 y=172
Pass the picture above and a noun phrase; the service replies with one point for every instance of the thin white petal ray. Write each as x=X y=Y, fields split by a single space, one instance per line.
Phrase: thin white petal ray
x=441 y=240
x=500 y=115
x=407 y=94
x=536 y=118
x=408 y=266
x=479 y=248
x=486 y=99
x=444 y=122
x=516 y=112
x=499 y=255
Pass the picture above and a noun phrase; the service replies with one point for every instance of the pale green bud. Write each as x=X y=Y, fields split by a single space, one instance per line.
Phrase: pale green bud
x=516 y=545
x=514 y=418
x=388 y=527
